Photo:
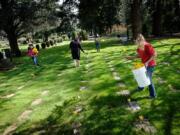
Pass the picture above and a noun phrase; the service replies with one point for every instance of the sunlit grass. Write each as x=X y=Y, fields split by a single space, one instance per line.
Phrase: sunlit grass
x=103 y=112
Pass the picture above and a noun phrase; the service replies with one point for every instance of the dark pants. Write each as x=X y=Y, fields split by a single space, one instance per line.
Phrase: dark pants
x=98 y=48
x=152 y=91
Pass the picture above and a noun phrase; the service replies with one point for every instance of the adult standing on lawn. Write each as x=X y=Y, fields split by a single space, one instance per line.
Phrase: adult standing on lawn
x=75 y=51
x=147 y=54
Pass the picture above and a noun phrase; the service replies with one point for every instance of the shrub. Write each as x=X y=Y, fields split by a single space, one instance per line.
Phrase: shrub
x=38 y=40
x=65 y=37
x=83 y=34
x=59 y=40
x=74 y=35
x=51 y=42
x=43 y=45
x=47 y=44
x=37 y=46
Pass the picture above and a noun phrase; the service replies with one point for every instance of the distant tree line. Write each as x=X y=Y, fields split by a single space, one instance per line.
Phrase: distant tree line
x=43 y=17
x=150 y=17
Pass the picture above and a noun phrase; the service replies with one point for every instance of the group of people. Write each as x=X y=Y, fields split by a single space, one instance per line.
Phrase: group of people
x=145 y=52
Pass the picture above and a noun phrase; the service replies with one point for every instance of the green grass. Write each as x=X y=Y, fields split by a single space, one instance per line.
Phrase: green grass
x=104 y=112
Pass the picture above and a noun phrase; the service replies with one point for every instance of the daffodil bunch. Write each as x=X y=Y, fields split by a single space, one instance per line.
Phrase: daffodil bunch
x=138 y=65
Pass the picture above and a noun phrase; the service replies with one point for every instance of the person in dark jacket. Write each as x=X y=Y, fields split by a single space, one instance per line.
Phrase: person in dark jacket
x=97 y=45
x=75 y=51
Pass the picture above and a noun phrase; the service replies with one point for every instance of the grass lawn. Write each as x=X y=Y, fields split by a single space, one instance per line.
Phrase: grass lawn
x=97 y=108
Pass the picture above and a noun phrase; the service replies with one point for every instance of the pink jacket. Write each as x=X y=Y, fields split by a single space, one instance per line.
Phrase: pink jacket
x=30 y=53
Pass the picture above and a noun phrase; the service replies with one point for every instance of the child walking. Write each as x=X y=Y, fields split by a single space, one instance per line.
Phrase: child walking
x=97 y=45
x=33 y=53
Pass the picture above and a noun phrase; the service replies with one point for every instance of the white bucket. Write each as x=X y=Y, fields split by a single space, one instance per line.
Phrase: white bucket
x=141 y=77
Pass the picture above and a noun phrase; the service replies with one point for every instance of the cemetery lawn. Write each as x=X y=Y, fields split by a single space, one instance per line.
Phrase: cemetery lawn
x=62 y=99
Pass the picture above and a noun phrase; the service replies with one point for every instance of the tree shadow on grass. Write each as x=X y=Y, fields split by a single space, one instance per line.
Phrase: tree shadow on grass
x=104 y=115
x=167 y=111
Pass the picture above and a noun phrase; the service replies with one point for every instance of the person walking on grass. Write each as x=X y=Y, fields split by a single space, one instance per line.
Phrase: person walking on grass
x=97 y=45
x=75 y=47
x=147 y=54
x=33 y=53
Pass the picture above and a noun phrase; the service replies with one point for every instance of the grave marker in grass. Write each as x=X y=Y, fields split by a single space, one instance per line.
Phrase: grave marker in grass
x=7 y=96
x=10 y=129
x=161 y=81
x=133 y=105
x=21 y=87
x=144 y=125
x=44 y=93
x=123 y=93
x=36 y=102
x=172 y=88
x=121 y=85
x=83 y=88
x=24 y=116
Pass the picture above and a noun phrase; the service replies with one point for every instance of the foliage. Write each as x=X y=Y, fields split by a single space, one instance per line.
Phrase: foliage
x=74 y=35
x=83 y=34
x=100 y=15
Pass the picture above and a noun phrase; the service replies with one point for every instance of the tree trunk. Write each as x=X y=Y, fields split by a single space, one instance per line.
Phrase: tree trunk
x=136 y=17
x=157 y=18
x=13 y=44
x=46 y=36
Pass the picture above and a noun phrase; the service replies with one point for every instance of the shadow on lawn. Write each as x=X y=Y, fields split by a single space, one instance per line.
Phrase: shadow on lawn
x=47 y=59
x=104 y=115
x=107 y=115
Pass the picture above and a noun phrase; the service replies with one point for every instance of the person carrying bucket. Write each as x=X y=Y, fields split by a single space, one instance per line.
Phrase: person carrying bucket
x=147 y=54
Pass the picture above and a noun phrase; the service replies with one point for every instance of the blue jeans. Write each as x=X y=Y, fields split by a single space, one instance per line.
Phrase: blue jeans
x=152 y=91
x=34 y=58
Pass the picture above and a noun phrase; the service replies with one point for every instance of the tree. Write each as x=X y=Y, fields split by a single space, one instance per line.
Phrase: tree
x=136 y=18
x=100 y=15
x=67 y=16
x=18 y=16
x=157 y=17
